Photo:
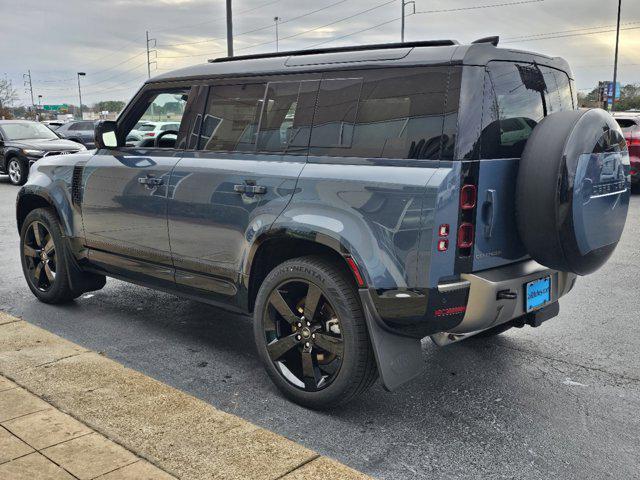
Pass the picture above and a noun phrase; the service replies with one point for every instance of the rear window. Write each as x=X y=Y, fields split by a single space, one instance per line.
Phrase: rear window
x=383 y=114
x=517 y=97
x=147 y=128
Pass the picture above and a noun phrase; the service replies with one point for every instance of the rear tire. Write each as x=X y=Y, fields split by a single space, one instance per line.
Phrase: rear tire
x=334 y=345
x=42 y=252
x=18 y=171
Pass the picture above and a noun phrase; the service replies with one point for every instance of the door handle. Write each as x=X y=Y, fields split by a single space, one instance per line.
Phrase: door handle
x=489 y=212
x=253 y=189
x=150 y=182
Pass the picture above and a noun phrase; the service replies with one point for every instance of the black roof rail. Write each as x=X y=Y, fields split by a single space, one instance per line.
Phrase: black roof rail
x=354 y=48
x=492 y=40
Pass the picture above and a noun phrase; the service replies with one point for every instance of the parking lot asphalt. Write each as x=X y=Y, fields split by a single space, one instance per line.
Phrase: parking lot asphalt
x=560 y=401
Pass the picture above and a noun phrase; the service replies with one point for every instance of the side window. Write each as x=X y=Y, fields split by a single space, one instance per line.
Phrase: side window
x=189 y=128
x=167 y=106
x=285 y=125
x=514 y=103
x=335 y=117
x=394 y=113
x=231 y=118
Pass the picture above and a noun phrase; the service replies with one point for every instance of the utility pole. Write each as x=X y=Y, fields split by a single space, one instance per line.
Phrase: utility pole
x=404 y=4
x=149 y=52
x=80 y=74
x=229 y=30
x=276 y=19
x=615 y=62
x=29 y=87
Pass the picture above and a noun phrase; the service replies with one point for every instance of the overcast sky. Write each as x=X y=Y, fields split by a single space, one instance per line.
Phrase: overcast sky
x=106 y=38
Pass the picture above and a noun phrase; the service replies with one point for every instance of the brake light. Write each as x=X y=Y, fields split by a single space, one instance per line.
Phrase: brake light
x=468 y=197
x=443 y=231
x=465 y=235
x=443 y=245
x=150 y=134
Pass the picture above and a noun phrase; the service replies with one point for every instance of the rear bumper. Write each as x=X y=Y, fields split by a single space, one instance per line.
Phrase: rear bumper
x=488 y=307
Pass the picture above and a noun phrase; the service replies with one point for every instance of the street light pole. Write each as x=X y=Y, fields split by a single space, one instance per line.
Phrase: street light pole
x=276 y=19
x=80 y=74
x=229 y=30
x=615 y=62
x=404 y=4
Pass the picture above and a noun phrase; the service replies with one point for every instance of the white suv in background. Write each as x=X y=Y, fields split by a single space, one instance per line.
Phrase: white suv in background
x=144 y=130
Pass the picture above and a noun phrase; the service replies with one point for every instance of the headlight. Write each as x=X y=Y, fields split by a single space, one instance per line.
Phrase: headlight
x=33 y=153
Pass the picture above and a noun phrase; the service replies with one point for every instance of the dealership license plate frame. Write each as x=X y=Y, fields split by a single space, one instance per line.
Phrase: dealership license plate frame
x=540 y=300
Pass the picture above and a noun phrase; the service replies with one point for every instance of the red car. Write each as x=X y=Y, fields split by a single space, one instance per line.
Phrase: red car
x=630 y=124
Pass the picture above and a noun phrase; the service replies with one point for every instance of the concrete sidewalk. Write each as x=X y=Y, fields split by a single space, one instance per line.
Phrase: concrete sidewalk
x=81 y=415
x=39 y=441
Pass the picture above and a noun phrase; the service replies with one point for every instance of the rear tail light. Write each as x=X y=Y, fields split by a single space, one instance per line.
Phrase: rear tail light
x=468 y=196
x=150 y=134
x=443 y=245
x=632 y=140
x=465 y=235
x=443 y=231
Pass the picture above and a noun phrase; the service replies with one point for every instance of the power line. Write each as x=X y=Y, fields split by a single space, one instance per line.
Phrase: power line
x=549 y=37
x=258 y=29
x=253 y=45
x=168 y=29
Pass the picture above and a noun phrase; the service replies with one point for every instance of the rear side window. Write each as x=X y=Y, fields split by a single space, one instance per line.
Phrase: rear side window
x=516 y=98
x=382 y=114
x=286 y=120
x=231 y=118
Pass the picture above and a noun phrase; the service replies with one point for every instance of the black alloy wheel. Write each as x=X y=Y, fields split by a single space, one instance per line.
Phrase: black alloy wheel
x=39 y=251
x=311 y=333
x=42 y=254
x=303 y=335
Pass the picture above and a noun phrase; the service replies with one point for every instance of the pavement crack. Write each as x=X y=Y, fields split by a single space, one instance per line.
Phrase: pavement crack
x=45 y=364
x=298 y=467
x=567 y=362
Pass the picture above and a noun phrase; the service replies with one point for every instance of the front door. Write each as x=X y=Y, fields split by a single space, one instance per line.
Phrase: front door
x=124 y=205
x=252 y=149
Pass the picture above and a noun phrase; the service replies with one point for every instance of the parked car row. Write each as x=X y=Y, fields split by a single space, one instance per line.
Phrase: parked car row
x=630 y=124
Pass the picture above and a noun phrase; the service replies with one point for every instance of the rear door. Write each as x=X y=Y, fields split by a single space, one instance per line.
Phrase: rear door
x=516 y=97
x=253 y=146
x=124 y=205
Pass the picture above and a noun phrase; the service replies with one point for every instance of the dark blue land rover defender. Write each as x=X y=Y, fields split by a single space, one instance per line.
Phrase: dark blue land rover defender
x=353 y=200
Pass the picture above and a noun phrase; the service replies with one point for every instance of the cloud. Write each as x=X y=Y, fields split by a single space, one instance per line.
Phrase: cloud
x=106 y=39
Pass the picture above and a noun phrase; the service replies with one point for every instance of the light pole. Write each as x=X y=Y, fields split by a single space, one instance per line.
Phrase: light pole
x=276 y=19
x=404 y=4
x=615 y=62
x=229 y=30
x=80 y=74
x=39 y=106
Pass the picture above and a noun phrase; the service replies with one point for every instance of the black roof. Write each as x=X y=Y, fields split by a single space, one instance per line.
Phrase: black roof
x=366 y=56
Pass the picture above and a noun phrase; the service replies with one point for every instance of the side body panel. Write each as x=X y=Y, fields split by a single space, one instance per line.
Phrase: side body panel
x=125 y=217
x=212 y=226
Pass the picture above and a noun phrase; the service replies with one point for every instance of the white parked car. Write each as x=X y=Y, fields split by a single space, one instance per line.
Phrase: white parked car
x=145 y=130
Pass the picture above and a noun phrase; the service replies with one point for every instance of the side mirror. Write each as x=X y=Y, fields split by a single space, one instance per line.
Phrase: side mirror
x=105 y=134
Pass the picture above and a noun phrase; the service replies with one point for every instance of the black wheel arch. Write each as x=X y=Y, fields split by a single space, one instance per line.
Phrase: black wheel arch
x=275 y=248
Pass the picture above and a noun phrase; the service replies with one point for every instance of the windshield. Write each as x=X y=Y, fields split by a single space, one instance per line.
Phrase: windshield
x=26 y=130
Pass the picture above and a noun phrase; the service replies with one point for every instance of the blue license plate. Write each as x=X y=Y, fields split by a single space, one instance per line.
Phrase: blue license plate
x=538 y=293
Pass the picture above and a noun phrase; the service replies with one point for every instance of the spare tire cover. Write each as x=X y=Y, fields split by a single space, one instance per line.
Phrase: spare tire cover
x=573 y=190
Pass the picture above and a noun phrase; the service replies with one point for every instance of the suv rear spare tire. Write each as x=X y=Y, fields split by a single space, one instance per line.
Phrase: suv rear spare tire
x=573 y=190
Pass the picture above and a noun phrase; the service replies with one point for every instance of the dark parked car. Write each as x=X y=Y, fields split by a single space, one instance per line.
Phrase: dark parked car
x=80 y=132
x=23 y=142
x=630 y=124
x=353 y=200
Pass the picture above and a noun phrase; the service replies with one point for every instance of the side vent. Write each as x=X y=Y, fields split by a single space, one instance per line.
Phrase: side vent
x=76 y=186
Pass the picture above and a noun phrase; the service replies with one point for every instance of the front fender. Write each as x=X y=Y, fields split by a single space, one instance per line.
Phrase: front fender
x=50 y=179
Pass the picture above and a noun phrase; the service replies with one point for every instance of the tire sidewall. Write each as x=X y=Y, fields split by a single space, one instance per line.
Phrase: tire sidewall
x=343 y=383
x=60 y=284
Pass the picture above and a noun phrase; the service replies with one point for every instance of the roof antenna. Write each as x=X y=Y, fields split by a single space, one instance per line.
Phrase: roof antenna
x=492 y=40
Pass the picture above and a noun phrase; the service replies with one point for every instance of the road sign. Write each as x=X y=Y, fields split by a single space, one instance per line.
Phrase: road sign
x=55 y=108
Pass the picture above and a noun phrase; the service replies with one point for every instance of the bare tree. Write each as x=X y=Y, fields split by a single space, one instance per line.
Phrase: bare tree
x=8 y=95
